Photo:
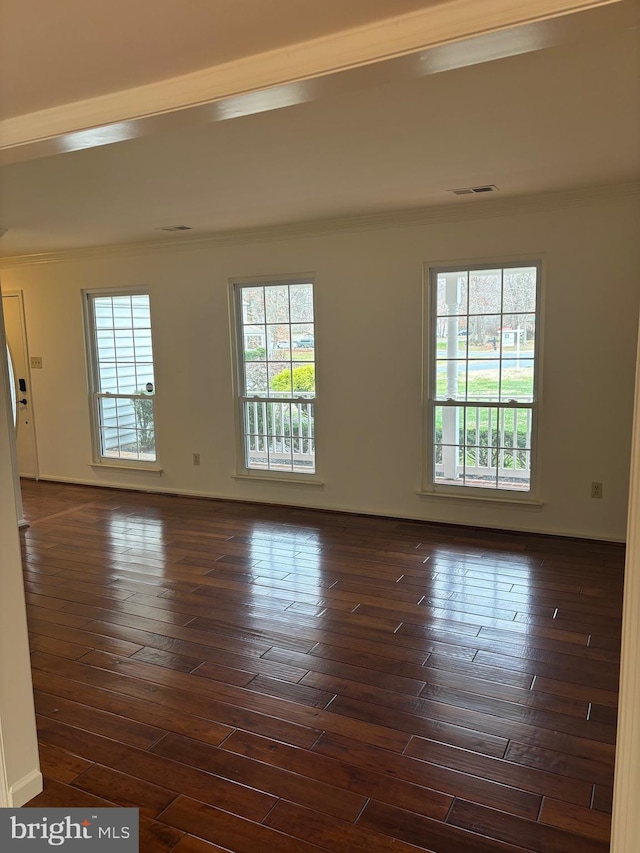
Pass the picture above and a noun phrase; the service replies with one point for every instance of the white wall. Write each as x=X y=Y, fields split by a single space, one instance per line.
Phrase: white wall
x=368 y=344
x=20 y=777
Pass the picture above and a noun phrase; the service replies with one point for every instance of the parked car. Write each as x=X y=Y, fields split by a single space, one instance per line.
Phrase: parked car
x=283 y=345
x=305 y=343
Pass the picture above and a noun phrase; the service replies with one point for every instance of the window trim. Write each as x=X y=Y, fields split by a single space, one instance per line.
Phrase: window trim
x=429 y=488
x=91 y=360
x=243 y=473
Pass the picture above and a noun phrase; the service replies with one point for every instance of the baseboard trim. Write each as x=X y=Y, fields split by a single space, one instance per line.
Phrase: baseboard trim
x=563 y=534
x=25 y=789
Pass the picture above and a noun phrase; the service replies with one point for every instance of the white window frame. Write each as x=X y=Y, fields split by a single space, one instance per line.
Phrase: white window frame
x=494 y=494
x=243 y=472
x=98 y=460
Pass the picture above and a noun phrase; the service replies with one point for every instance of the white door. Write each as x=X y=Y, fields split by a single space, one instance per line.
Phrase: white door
x=19 y=366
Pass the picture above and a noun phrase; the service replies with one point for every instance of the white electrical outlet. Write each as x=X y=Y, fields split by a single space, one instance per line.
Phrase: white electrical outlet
x=196 y=458
x=596 y=490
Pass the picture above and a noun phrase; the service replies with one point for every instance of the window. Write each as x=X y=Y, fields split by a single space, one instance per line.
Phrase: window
x=481 y=377
x=276 y=376
x=121 y=376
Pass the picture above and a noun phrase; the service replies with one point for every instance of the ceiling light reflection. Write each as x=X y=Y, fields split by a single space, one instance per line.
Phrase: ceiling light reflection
x=251 y=103
x=97 y=136
x=486 y=48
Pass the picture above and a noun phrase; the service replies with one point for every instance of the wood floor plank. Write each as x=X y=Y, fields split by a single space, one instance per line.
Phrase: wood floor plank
x=148 y=767
x=443 y=779
x=369 y=783
x=132 y=708
x=526 y=778
x=330 y=834
x=428 y=834
x=172 y=661
x=231 y=665
x=575 y=819
x=602 y=798
x=515 y=830
x=254 y=666
x=155 y=836
x=434 y=700
x=57 y=618
x=82 y=636
x=587 y=692
x=425 y=726
x=474 y=669
x=473 y=693
x=180 y=700
x=254 y=677
x=305 y=694
x=121 y=729
x=124 y=790
x=191 y=844
x=263 y=776
x=423 y=713
x=73 y=651
x=59 y=765
x=234 y=833
x=359 y=674
x=250 y=643
x=586 y=769
x=479 y=685
x=590 y=673
x=387 y=737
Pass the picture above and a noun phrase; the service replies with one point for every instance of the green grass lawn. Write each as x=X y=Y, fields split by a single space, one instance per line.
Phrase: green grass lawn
x=486 y=425
x=484 y=385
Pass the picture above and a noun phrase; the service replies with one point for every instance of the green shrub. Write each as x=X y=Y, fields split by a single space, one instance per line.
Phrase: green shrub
x=143 y=408
x=512 y=457
x=304 y=379
x=256 y=354
x=482 y=437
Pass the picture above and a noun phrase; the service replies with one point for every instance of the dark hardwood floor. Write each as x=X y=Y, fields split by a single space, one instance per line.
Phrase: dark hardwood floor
x=256 y=678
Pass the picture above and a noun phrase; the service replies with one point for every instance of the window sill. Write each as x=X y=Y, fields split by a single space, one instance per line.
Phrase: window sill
x=154 y=470
x=286 y=480
x=525 y=503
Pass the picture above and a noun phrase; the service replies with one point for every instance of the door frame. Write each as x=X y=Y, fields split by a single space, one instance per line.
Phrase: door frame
x=17 y=490
x=25 y=352
x=4 y=782
x=626 y=790
x=20 y=776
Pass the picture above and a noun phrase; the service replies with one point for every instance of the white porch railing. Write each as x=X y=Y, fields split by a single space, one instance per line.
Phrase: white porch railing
x=280 y=434
x=505 y=458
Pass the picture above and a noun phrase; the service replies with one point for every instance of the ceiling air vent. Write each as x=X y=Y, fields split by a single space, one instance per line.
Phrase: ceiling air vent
x=487 y=188
x=175 y=228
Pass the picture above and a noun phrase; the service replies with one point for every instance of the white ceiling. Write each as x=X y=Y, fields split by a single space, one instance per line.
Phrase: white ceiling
x=560 y=117
x=85 y=48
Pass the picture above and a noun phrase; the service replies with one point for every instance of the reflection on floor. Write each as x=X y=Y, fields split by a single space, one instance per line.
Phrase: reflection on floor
x=259 y=678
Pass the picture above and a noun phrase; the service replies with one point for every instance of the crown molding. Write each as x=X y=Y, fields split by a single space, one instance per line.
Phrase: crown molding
x=478 y=208
x=122 y=115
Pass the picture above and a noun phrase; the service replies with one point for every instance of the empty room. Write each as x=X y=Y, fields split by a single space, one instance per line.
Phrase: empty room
x=319 y=496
